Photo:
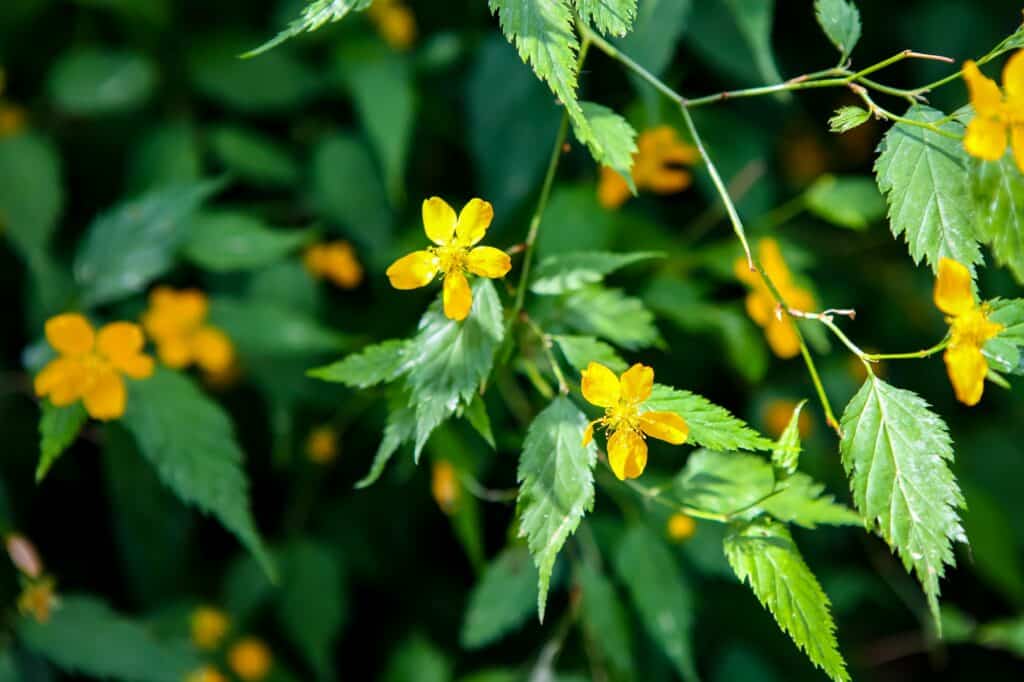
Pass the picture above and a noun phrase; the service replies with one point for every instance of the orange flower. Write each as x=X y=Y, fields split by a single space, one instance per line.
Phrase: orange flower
x=656 y=167
x=681 y=527
x=444 y=486
x=322 y=445
x=250 y=659
x=395 y=23
x=622 y=397
x=335 y=261
x=998 y=119
x=175 y=321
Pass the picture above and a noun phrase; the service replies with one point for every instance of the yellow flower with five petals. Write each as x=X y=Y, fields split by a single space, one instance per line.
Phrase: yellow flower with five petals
x=622 y=397
x=969 y=329
x=656 y=167
x=90 y=364
x=455 y=253
x=176 y=322
x=996 y=118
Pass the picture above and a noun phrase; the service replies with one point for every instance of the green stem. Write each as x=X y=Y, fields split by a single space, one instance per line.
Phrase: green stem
x=940 y=346
x=1003 y=47
x=545 y=342
x=895 y=118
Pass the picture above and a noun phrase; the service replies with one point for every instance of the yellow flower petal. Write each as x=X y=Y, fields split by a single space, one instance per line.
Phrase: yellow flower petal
x=612 y=189
x=985 y=138
x=487 y=261
x=438 y=220
x=627 y=453
x=62 y=380
x=1013 y=76
x=1017 y=143
x=668 y=180
x=760 y=306
x=773 y=262
x=953 y=294
x=967 y=369
x=457 y=296
x=985 y=96
x=413 y=271
x=588 y=433
x=743 y=272
x=782 y=339
x=106 y=396
x=175 y=352
x=70 y=334
x=250 y=659
x=636 y=383
x=121 y=343
x=213 y=350
x=599 y=385
x=666 y=426
x=475 y=218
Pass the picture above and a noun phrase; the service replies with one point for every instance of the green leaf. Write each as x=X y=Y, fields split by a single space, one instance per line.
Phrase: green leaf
x=846 y=201
x=31 y=195
x=191 y=442
x=735 y=37
x=311 y=602
x=580 y=351
x=604 y=619
x=418 y=660
x=786 y=453
x=564 y=272
x=997 y=190
x=847 y=118
x=58 y=428
x=260 y=329
x=314 y=15
x=994 y=551
x=710 y=425
x=611 y=315
x=380 y=363
x=502 y=600
x=614 y=141
x=924 y=177
x=1007 y=635
x=840 y=20
x=1003 y=352
x=556 y=485
x=93 y=81
x=254 y=157
x=727 y=483
x=400 y=428
x=611 y=17
x=84 y=636
x=224 y=241
x=661 y=595
x=659 y=25
x=754 y=19
x=763 y=554
x=168 y=154
x=896 y=453
x=476 y=414
x=127 y=247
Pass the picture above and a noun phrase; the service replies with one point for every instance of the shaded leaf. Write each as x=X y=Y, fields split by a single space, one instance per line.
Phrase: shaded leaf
x=846 y=201
x=840 y=20
x=580 y=351
x=560 y=273
x=997 y=190
x=31 y=195
x=611 y=17
x=612 y=315
x=58 y=428
x=311 y=575
x=314 y=15
x=92 y=81
x=710 y=425
x=225 y=241
x=380 y=363
x=261 y=329
x=502 y=600
x=604 y=618
x=254 y=157
x=613 y=143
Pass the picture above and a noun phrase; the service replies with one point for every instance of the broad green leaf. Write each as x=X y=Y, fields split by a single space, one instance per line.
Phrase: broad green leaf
x=224 y=241
x=659 y=25
x=994 y=551
x=132 y=244
x=93 y=81
x=311 y=602
x=502 y=599
x=847 y=201
x=556 y=485
x=924 y=177
x=734 y=36
x=847 y=118
x=613 y=142
x=731 y=482
x=1003 y=352
x=191 y=442
x=418 y=660
x=763 y=554
x=84 y=636
x=246 y=588
x=560 y=273
x=997 y=190
x=31 y=195
x=380 y=363
x=580 y=351
x=786 y=453
x=260 y=329
x=168 y=154
x=582 y=223
x=400 y=428
x=661 y=595
x=710 y=425
x=254 y=157
x=754 y=19
x=841 y=22
x=612 y=315
x=314 y=15
x=494 y=675
x=896 y=453
x=604 y=618
x=1007 y=635
x=58 y=428
x=611 y=17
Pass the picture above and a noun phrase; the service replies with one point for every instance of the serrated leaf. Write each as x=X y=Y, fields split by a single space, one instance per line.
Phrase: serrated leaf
x=225 y=241
x=314 y=15
x=31 y=195
x=604 y=619
x=570 y=271
x=613 y=143
x=924 y=177
x=254 y=157
x=763 y=554
x=611 y=17
x=997 y=190
x=847 y=118
x=612 y=315
x=786 y=453
x=191 y=442
x=502 y=600
x=896 y=453
x=260 y=329
x=311 y=577
x=661 y=595
x=580 y=351
x=1003 y=352
x=84 y=636
x=846 y=201
x=400 y=428
x=380 y=363
x=58 y=428
x=556 y=485
x=135 y=242
x=840 y=20
x=476 y=414
x=710 y=425
x=92 y=81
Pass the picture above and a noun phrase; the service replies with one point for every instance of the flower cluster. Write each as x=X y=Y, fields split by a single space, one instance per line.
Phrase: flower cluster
x=176 y=321
x=656 y=167
x=998 y=117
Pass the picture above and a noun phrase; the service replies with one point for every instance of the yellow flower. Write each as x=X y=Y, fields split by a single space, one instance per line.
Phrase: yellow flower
x=175 y=321
x=778 y=413
x=970 y=328
x=90 y=364
x=250 y=659
x=322 y=445
x=622 y=397
x=444 y=486
x=997 y=118
x=207 y=673
x=208 y=625
x=38 y=599
x=23 y=555
x=12 y=118
x=453 y=254
x=680 y=527
x=656 y=163
x=395 y=23
x=761 y=304
x=335 y=261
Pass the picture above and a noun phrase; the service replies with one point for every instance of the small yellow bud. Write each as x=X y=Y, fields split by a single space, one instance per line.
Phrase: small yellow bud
x=23 y=555
x=206 y=674
x=209 y=625
x=681 y=527
x=250 y=659
x=444 y=486
x=38 y=599
x=322 y=445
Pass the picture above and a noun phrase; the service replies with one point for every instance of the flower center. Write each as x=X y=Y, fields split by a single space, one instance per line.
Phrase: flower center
x=451 y=257
x=974 y=328
x=623 y=415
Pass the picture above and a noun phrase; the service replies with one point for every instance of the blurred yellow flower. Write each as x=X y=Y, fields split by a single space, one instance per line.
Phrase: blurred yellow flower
x=322 y=445
x=998 y=119
x=453 y=254
x=23 y=555
x=444 y=486
x=207 y=673
x=38 y=599
x=778 y=413
x=761 y=306
x=208 y=625
x=656 y=167
x=621 y=397
x=90 y=365
x=681 y=527
x=969 y=327
x=335 y=261
x=395 y=22
x=12 y=117
x=250 y=659
x=175 y=321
